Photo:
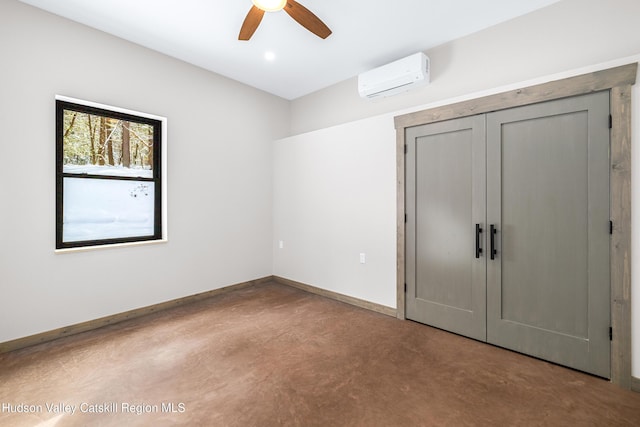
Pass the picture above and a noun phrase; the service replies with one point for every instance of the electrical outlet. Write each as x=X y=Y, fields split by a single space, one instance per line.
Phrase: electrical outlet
x=363 y=258
x=280 y=244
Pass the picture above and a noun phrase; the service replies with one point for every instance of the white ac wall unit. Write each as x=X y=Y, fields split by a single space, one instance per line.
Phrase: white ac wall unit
x=398 y=76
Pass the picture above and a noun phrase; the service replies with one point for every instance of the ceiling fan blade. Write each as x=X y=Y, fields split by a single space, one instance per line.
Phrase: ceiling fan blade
x=307 y=19
x=251 y=23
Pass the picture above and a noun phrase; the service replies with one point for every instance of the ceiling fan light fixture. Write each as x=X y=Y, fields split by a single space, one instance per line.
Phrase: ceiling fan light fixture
x=270 y=5
x=295 y=10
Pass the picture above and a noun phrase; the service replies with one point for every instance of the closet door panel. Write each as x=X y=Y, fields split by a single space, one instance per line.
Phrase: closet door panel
x=446 y=283
x=548 y=196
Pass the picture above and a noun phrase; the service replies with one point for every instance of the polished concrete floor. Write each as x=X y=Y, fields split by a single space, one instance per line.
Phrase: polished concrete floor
x=271 y=355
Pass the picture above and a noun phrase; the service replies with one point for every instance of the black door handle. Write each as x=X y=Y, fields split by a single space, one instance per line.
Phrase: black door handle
x=492 y=233
x=478 y=248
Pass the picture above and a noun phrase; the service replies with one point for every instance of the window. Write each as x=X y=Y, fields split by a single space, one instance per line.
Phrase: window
x=108 y=175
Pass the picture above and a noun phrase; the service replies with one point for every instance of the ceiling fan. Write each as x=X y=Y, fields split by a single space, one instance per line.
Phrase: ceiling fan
x=301 y=14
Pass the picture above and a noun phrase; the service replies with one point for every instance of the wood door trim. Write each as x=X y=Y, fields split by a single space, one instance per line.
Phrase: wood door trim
x=621 y=237
x=572 y=86
x=618 y=81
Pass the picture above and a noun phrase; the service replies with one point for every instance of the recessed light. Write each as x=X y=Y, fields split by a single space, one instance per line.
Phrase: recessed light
x=269 y=56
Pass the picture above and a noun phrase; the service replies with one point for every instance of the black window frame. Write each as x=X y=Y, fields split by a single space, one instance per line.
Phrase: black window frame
x=156 y=179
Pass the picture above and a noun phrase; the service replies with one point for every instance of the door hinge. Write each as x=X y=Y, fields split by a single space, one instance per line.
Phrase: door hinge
x=610 y=121
x=610 y=333
x=405 y=218
x=406 y=149
x=610 y=227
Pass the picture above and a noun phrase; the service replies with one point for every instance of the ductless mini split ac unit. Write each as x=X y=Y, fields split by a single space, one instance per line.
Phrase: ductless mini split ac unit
x=398 y=76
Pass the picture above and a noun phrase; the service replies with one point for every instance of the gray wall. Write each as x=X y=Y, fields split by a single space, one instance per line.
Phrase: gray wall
x=219 y=175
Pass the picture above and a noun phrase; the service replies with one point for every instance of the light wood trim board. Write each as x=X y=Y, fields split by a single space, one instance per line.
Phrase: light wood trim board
x=132 y=314
x=337 y=296
x=120 y=317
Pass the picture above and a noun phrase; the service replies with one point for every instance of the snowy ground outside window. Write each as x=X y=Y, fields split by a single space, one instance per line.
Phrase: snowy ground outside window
x=96 y=209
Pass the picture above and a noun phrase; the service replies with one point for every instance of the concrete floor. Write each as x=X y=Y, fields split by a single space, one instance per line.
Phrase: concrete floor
x=271 y=355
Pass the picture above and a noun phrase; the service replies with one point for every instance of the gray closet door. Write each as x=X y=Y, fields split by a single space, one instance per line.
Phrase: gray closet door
x=445 y=190
x=548 y=196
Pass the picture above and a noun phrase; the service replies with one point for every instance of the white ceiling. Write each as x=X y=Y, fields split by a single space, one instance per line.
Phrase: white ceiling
x=366 y=34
